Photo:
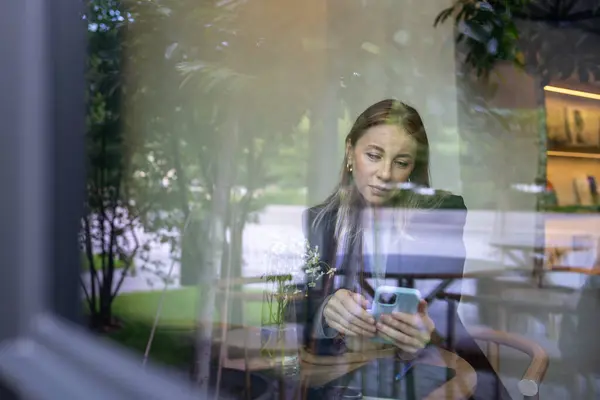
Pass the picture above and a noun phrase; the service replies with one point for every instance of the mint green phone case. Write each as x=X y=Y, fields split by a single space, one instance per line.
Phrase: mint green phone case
x=390 y=299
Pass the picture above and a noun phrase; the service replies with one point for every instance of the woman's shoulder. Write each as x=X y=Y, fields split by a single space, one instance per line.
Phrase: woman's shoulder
x=451 y=201
x=318 y=215
x=311 y=213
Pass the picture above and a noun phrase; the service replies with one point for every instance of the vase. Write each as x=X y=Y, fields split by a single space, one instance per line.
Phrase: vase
x=279 y=343
x=279 y=335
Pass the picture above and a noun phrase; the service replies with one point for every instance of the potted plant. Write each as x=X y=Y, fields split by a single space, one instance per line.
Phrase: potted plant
x=282 y=290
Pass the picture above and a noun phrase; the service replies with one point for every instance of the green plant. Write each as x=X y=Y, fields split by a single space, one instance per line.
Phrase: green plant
x=553 y=39
x=280 y=286
x=488 y=30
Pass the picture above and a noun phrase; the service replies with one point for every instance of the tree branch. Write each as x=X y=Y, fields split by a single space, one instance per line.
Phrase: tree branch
x=181 y=176
x=88 y=298
x=128 y=264
x=91 y=262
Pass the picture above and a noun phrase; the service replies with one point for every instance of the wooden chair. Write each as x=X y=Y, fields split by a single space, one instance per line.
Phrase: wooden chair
x=531 y=380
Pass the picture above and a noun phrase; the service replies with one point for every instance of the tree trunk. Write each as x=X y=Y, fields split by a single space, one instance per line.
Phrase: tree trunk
x=191 y=253
x=209 y=274
x=236 y=260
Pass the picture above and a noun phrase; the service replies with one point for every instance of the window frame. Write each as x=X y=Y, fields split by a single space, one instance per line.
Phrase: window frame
x=45 y=352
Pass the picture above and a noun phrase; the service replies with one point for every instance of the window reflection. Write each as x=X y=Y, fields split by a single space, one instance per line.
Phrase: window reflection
x=214 y=129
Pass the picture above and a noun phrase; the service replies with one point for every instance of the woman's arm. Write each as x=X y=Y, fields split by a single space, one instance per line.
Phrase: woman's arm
x=331 y=312
x=318 y=338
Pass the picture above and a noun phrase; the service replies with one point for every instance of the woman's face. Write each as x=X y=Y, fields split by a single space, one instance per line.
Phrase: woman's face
x=382 y=158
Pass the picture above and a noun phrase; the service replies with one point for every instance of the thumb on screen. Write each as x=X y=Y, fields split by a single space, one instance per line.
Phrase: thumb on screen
x=422 y=307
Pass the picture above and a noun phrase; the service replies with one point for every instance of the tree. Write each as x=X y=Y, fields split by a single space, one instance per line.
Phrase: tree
x=108 y=226
x=118 y=199
x=209 y=140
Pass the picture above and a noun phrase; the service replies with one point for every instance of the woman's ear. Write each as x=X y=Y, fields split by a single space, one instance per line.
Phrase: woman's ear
x=349 y=152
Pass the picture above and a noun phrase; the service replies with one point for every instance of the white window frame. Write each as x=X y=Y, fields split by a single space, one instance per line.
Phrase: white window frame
x=44 y=352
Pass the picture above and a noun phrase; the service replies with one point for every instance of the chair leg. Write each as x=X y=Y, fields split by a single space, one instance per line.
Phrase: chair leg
x=451 y=321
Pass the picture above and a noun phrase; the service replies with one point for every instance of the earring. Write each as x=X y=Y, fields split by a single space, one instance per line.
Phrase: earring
x=349 y=167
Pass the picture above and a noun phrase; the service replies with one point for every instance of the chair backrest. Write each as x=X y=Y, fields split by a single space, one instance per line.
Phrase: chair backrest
x=531 y=380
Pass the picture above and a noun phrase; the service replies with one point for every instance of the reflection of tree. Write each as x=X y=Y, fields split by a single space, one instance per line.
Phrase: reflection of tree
x=108 y=228
x=235 y=80
x=553 y=39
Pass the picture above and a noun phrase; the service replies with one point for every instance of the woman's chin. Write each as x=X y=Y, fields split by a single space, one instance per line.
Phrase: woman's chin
x=377 y=201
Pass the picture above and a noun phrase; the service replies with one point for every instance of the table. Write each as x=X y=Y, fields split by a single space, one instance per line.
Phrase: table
x=250 y=339
x=317 y=371
x=523 y=253
x=538 y=255
x=407 y=278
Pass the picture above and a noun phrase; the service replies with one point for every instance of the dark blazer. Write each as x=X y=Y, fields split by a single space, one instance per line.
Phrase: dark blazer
x=436 y=246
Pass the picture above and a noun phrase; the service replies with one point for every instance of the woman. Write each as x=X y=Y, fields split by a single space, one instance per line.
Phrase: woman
x=378 y=222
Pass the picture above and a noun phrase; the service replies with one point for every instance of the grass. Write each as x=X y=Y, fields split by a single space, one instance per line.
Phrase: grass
x=173 y=339
x=85 y=265
x=170 y=346
x=179 y=308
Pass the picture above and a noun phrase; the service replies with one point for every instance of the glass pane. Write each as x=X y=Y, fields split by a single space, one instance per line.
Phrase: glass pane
x=447 y=147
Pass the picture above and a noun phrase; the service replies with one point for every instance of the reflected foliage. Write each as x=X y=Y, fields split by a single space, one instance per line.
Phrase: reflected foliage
x=553 y=39
x=107 y=235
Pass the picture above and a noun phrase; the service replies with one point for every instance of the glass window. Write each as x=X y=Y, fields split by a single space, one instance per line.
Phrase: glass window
x=232 y=194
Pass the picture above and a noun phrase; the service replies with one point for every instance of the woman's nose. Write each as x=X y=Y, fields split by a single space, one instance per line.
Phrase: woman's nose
x=384 y=173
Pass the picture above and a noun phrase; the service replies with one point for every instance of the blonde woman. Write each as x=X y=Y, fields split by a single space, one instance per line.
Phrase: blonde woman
x=377 y=222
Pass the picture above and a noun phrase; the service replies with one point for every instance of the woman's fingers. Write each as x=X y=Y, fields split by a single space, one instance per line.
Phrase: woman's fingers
x=360 y=299
x=423 y=336
x=348 y=314
x=401 y=345
x=348 y=305
x=401 y=326
x=353 y=303
x=345 y=309
x=341 y=329
x=400 y=338
x=413 y=320
x=341 y=323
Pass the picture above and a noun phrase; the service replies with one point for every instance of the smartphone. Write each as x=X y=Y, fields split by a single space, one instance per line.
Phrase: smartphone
x=389 y=299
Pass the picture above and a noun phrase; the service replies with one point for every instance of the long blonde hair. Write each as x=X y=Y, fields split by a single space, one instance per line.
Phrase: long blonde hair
x=346 y=200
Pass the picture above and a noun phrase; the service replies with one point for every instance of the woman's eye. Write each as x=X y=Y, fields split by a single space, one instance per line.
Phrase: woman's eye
x=373 y=156
x=402 y=164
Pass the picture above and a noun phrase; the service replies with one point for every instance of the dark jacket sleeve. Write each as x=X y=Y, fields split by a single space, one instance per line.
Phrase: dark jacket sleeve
x=320 y=236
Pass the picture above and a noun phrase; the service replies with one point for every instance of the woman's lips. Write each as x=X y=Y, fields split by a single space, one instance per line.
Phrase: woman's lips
x=379 y=190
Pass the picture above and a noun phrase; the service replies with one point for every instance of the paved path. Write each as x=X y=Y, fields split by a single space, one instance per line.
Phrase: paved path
x=282 y=224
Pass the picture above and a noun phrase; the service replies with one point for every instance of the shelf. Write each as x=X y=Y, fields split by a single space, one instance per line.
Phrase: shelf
x=573 y=154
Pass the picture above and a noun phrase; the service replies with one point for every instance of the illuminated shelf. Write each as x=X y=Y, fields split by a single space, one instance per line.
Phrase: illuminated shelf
x=573 y=154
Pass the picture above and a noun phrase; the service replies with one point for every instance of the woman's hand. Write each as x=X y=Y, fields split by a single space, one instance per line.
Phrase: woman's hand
x=346 y=312
x=409 y=333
